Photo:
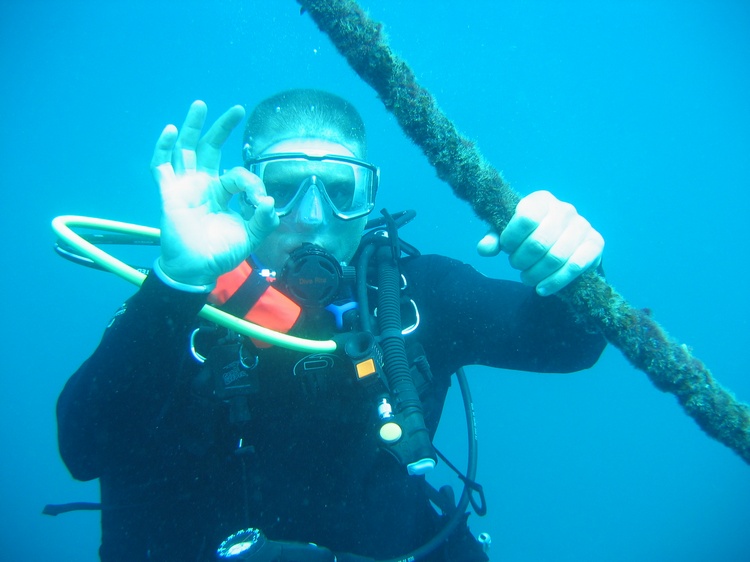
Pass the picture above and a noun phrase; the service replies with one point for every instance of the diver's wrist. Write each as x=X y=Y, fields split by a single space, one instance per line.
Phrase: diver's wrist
x=186 y=287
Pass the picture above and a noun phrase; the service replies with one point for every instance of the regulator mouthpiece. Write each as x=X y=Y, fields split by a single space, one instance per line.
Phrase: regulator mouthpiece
x=312 y=276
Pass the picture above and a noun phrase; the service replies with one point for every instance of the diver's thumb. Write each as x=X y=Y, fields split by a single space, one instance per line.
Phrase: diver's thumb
x=263 y=222
x=489 y=245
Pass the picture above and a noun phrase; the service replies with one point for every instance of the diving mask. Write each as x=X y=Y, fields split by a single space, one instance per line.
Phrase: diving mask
x=347 y=184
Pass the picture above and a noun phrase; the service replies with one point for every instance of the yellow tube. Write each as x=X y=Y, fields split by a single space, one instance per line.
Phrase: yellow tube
x=63 y=227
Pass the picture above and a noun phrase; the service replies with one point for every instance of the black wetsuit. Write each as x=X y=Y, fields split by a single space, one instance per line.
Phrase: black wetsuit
x=139 y=416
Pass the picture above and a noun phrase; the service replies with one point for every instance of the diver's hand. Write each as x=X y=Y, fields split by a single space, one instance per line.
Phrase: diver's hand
x=548 y=241
x=201 y=238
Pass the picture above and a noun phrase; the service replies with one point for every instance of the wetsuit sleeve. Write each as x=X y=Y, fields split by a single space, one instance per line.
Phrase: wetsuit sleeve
x=471 y=319
x=117 y=395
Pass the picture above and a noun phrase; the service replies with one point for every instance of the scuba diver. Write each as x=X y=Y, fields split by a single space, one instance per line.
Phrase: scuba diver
x=210 y=445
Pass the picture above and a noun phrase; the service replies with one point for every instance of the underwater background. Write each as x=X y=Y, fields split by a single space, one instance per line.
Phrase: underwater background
x=638 y=112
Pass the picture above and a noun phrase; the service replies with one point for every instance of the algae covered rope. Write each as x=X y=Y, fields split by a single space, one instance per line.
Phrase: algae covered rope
x=669 y=365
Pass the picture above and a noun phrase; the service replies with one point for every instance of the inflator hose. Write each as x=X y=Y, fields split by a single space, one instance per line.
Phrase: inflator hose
x=456 y=517
x=395 y=360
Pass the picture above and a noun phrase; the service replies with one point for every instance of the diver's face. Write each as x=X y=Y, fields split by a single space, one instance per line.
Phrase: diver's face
x=311 y=220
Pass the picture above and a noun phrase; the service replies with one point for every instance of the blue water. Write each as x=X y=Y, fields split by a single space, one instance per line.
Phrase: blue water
x=637 y=112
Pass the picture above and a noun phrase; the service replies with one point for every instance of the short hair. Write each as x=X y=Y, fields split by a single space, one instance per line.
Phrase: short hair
x=304 y=113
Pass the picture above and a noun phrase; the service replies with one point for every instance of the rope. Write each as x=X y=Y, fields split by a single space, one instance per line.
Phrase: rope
x=670 y=365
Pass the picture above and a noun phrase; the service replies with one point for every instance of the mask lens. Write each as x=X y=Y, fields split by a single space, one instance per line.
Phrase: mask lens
x=282 y=179
x=340 y=185
x=348 y=186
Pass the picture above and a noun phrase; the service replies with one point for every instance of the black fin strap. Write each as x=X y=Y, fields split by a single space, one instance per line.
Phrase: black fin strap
x=479 y=508
x=444 y=498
